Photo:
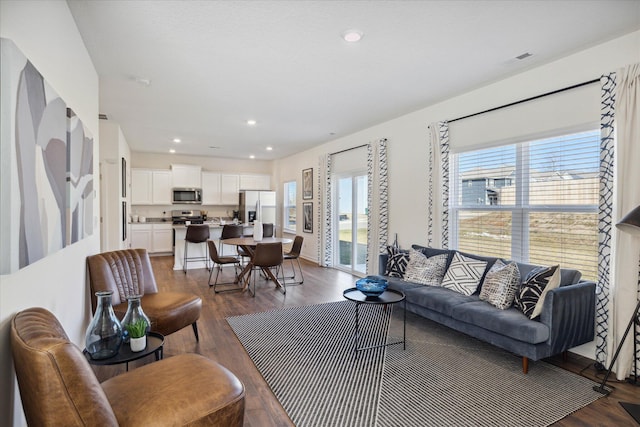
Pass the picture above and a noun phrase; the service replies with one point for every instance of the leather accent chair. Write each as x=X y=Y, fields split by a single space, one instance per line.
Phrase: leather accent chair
x=222 y=260
x=268 y=255
x=59 y=388
x=229 y=231
x=128 y=272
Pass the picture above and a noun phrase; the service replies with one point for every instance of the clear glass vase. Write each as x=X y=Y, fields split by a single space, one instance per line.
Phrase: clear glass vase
x=104 y=334
x=131 y=322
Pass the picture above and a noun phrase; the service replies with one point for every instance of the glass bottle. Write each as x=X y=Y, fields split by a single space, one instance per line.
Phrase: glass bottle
x=134 y=314
x=104 y=334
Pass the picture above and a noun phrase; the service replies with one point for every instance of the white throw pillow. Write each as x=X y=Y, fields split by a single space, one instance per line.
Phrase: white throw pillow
x=464 y=274
x=501 y=284
x=423 y=270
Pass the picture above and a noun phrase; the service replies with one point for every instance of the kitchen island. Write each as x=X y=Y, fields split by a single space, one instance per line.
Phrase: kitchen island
x=198 y=250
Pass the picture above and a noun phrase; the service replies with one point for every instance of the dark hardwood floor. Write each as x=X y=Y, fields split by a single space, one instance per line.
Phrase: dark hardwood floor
x=218 y=342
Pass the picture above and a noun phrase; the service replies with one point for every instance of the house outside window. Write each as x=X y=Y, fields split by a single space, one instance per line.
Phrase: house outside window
x=534 y=202
x=289 y=207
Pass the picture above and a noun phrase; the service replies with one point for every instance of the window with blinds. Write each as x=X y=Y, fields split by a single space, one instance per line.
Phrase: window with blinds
x=534 y=201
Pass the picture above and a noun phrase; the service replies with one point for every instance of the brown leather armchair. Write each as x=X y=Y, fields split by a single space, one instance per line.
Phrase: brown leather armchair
x=128 y=272
x=59 y=388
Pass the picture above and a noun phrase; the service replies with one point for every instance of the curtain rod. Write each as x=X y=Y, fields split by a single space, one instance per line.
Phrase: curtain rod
x=348 y=149
x=526 y=100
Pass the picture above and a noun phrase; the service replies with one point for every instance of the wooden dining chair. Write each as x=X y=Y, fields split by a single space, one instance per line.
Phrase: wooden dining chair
x=268 y=255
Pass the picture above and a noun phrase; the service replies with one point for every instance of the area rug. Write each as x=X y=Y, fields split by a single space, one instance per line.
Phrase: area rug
x=443 y=378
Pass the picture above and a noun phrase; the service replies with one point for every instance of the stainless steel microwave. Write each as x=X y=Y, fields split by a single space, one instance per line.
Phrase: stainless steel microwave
x=187 y=195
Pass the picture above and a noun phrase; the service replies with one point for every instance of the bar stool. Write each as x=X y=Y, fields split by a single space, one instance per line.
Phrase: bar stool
x=196 y=234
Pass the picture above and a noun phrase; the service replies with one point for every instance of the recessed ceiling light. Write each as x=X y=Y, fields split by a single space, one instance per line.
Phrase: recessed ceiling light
x=251 y=122
x=352 y=36
x=177 y=140
x=269 y=148
x=252 y=156
x=172 y=151
x=142 y=81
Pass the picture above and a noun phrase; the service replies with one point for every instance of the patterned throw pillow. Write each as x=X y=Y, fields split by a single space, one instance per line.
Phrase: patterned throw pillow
x=464 y=274
x=534 y=289
x=501 y=284
x=423 y=270
x=397 y=262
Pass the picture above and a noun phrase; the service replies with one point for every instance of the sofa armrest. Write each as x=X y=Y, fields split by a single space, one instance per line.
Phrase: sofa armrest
x=382 y=263
x=569 y=311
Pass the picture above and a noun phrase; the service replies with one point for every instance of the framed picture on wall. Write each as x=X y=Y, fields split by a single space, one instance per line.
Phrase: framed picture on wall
x=124 y=177
x=124 y=221
x=307 y=184
x=307 y=217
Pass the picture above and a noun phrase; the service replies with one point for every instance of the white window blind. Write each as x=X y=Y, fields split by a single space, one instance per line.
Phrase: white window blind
x=289 y=210
x=534 y=201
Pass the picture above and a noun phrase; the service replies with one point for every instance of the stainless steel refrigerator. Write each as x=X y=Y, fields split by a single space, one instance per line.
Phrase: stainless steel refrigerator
x=260 y=205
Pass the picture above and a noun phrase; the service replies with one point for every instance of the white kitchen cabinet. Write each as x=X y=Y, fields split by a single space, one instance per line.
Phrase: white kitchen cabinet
x=142 y=236
x=161 y=193
x=162 y=240
x=150 y=187
x=141 y=187
x=210 y=188
x=255 y=182
x=186 y=176
x=229 y=189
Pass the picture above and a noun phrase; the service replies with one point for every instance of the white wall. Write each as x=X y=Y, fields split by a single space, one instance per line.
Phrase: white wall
x=408 y=135
x=141 y=159
x=47 y=34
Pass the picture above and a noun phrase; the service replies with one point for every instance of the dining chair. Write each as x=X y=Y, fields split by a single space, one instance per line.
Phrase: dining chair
x=294 y=254
x=221 y=261
x=268 y=229
x=196 y=234
x=268 y=255
x=229 y=231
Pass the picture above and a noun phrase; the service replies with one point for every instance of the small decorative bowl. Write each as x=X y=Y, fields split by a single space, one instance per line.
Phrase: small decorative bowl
x=372 y=286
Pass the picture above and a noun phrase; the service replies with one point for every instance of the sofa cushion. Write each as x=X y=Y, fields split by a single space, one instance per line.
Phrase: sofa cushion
x=437 y=298
x=510 y=322
x=500 y=284
x=397 y=262
x=398 y=284
x=464 y=274
x=423 y=270
x=538 y=282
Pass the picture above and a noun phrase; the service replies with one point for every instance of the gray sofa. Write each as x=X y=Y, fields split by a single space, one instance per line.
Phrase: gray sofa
x=566 y=321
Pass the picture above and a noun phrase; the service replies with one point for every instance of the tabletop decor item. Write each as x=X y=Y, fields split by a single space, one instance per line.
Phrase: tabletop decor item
x=104 y=334
x=372 y=286
x=257 y=230
x=137 y=331
x=136 y=324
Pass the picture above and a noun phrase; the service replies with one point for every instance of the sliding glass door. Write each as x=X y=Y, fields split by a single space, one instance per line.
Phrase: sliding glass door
x=350 y=216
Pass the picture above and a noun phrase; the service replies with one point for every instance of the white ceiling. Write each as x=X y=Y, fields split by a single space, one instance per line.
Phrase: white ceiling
x=212 y=65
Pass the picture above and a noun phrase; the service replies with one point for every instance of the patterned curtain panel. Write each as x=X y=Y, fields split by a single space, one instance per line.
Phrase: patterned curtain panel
x=377 y=219
x=616 y=301
x=605 y=214
x=327 y=259
x=438 y=186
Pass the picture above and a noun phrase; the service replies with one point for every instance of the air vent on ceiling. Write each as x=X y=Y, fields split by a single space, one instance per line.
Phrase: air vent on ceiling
x=102 y=117
x=524 y=55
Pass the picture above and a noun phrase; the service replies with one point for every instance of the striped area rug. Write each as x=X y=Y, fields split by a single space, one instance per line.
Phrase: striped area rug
x=443 y=378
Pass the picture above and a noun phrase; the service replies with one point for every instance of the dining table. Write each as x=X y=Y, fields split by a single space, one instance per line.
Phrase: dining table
x=248 y=244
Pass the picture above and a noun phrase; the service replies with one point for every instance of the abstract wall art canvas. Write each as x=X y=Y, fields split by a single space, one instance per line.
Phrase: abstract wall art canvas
x=41 y=156
x=80 y=190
